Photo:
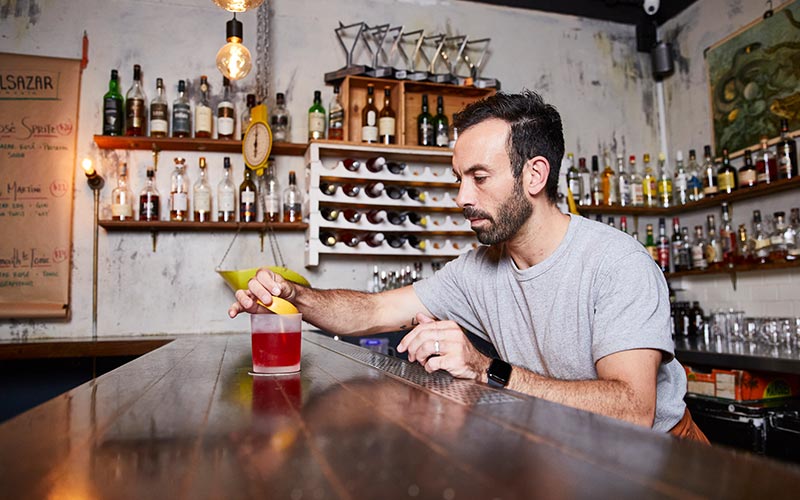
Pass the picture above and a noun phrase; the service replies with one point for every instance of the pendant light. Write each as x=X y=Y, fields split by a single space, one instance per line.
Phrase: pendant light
x=238 y=5
x=233 y=59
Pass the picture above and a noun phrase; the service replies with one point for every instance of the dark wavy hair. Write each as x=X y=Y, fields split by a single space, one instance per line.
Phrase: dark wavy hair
x=536 y=130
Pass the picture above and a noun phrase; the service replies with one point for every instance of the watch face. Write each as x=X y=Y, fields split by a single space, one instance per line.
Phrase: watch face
x=257 y=145
x=499 y=372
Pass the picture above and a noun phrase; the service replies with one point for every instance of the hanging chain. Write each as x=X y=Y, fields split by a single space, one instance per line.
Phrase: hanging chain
x=262 y=53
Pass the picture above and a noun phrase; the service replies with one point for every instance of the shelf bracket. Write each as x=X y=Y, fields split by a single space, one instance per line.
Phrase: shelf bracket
x=154 y=236
x=155 y=165
x=733 y=279
x=262 y=240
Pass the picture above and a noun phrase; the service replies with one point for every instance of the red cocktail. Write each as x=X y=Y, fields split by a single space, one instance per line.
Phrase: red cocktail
x=276 y=342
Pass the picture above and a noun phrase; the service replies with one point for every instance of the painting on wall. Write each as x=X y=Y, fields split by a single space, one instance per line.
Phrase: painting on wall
x=754 y=76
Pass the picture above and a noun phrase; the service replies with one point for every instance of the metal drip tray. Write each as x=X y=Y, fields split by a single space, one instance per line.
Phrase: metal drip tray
x=440 y=383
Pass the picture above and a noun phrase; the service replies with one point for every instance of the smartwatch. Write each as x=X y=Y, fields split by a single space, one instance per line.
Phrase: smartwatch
x=498 y=373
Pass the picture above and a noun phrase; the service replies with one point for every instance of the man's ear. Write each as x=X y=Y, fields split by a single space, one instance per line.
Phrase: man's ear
x=534 y=175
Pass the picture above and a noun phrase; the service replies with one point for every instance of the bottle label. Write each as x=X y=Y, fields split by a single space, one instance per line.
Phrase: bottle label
x=586 y=189
x=649 y=189
x=180 y=202
x=202 y=201
x=148 y=207
x=337 y=118
x=369 y=133
x=121 y=210
x=112 y=116
x=273 y=203
x=624 y=191
x=637 y=198
x=159 y=111
x=442 y=138
x=135 y=113
x=227 y=202
x=726 y=181
x=370 y=118
x=698 y=257
x=575 y=188
x=681 y=182
x=226 y=122
x=663 y=256
x=785 y=169
x=181 y=119
x=386 y=126
x=248 y=197
x=425 y=134
x=316 y=125
x=747 y=177
x=204 y=119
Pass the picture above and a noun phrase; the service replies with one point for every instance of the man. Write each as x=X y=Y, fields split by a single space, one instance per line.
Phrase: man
x=577 y=311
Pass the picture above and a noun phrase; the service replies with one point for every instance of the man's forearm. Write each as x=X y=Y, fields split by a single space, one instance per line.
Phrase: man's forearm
x=612 y=398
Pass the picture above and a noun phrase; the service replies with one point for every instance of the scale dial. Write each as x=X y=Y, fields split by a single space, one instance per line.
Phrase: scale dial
x=257 y=145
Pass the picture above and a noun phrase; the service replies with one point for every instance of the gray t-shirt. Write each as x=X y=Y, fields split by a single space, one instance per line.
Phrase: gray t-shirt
x=599 y=293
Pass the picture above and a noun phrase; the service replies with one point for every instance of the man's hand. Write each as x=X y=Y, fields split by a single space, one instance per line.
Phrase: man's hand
x=455 y=354
x=265 y=285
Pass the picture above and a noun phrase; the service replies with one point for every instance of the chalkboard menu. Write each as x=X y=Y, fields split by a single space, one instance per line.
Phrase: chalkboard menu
x=38 y=126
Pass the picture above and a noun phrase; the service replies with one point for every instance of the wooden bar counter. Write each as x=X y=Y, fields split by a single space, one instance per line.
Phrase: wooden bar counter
x=187 y=421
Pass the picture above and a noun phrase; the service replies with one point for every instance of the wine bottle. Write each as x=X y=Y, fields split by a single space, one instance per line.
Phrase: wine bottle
x=369 y=118
x=395 y=240
x=316 y=118
x=181 y=113
x=351 y=190
x=327 y=238
x=440 y=124
x=373 y=189
x=135 y=105
x=351 y=215
x=203 y=116
x=351 y=164
x=396 y=167
x=159 y=112
x=374 y=240
x=425 y=125
x=113 y=112
x=416 y=242
x=329 y=213
x=386 y=119
x=376 y=164
x=247 y=198
x=415 y=218
x=416 y=194
x=226 y=114
x=396 y=218
x=376 y=216
x=395 y=192
x=327 y=188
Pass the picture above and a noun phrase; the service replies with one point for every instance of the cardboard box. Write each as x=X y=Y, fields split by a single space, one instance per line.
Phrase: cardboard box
x=742 y=385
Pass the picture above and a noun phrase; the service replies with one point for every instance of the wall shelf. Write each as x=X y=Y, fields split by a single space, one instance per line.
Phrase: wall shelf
x=163 y=225
x=191 y=144
x=714 y=201
x=744 y=268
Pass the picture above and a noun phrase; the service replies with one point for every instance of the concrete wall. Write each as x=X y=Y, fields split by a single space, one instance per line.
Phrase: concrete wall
x=688 y=115
x=588 y=69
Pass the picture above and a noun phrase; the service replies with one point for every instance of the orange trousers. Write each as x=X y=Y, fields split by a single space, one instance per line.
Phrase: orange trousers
x=687 y=429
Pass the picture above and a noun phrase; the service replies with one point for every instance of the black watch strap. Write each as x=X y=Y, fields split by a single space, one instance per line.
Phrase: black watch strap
x=498 y=373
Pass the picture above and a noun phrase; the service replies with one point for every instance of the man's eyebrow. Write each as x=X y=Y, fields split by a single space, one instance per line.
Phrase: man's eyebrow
x=471 y=169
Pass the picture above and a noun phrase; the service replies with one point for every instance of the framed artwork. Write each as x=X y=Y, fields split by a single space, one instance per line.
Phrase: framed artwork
x=754 y=77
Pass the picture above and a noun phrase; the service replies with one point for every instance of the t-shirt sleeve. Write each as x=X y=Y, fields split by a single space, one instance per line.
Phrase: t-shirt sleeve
x=632 y=308
x=445 y=293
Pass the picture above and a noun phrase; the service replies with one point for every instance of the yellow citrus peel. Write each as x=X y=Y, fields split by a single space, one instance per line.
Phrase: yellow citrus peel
x=280 y=306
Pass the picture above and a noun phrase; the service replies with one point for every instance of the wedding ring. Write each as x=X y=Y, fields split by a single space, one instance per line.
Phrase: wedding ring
x=436 y=347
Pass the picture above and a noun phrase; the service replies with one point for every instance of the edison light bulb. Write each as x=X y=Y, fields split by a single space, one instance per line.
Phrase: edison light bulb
x=238 y=5
x=234 y=60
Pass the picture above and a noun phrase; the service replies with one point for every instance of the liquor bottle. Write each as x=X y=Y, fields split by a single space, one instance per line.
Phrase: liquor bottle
x=327 y=238
x=714 y=244
x=649 y=184
x=159 y=112
x=351 y=190
x=609 y=183
x=375 y=164
x=416 y=194
x=761 y=241
x=316 y=118
x=351 y=215
x=328 y=188
x=349 y=238
x=787 y=153
x=374 y=240
x=767 y=164
x=664 y=185
x=395 y=192
x=697 y=317
x=201 y=198
x=244 y=118
x=136 y=105
x=336 y=117
x=351 y=164
x=226 y=195
x=441 y=128
x=611 y=222
x=728 y=237
x=710 y=186
x=181 y=113
x=624 y=183
x=396 y=218
x=271 y=194
x=280 y=121
x=395 y=240
x=695 y=178
x=662 y=246
x=247 y=198
x=637 y=195
x=375 y=216
x=292 y=201
x=417 y=219
x=680 y=185
x=699 y=249
x=395 y=167
x=425 y=135
x=679 y=262
x=744 y=247
x=149 y=204
x=586 y=182
x=373 y=189
x=226 y=114
x=179 y=192
x=777 y=240
x=573 y=179
x=596 y=182
x=686 y=249
x=121 y=196
x=623 y=224
x=650 y=243
x=726 y=175
x=748 y=176
x=369 y=118
x=386 y=119
x=329 y=213
x=793 y=236
x=203 y=116
x=113 y=111
x=415 y=241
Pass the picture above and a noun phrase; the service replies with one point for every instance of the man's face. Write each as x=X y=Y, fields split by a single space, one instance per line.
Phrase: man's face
x=492 y=200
